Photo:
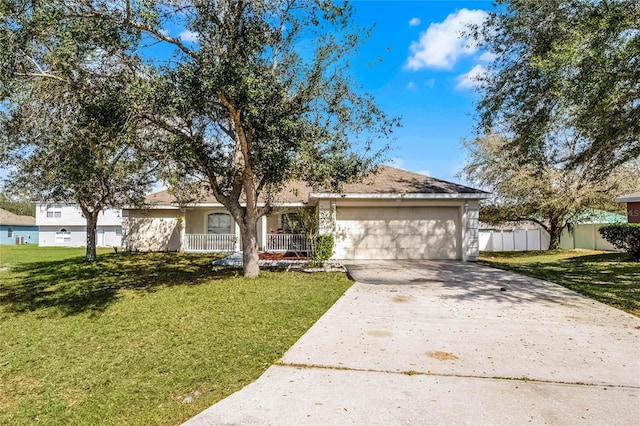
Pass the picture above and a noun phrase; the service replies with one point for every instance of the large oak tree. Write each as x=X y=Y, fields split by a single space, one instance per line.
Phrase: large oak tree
x=259 y=94
x=569 y=62
x=67 y=124
x=545 y=192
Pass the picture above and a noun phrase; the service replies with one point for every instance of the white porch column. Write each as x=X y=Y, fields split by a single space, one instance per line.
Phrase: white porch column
x=262 y=245
x=471 y=245
x=326 y=217
x=463 y=231
x=238 y=245
x=183 y=229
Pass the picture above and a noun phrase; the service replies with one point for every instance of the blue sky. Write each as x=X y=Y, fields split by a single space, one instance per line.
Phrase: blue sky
x=421 y=78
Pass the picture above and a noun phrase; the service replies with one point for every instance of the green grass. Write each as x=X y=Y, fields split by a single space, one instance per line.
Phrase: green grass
x=611 y=278
x=125 y=340
x=28 y=253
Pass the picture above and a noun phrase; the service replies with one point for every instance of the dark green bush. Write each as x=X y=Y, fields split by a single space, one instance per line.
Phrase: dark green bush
x=323 y=248
x=623 y=236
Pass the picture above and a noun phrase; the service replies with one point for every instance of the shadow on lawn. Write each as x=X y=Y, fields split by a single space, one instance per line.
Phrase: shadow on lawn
x=611 y=278
x=73 y=286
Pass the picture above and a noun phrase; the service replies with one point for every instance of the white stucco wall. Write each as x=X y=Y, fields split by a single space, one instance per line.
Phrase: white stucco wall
x=106 y=236
x=152 y=230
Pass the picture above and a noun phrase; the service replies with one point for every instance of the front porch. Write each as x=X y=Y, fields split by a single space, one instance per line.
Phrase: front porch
x=213 y=230
x=227 y=243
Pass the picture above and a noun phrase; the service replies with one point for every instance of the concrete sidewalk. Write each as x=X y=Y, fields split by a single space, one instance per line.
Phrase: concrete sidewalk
x=448 y=342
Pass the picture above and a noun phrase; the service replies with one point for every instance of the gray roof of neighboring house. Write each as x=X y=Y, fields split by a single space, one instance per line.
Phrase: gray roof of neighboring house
x=385 y=180
x=629 y=198
x=8 y=218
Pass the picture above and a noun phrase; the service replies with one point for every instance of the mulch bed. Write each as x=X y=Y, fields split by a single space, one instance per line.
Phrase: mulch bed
x=282 y=256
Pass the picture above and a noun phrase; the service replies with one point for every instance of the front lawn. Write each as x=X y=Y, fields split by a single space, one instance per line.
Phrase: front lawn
x=611 y=278
x=142 y=339
x=29 y=253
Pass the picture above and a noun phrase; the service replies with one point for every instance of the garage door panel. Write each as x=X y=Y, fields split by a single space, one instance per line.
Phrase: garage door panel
x=397 y=233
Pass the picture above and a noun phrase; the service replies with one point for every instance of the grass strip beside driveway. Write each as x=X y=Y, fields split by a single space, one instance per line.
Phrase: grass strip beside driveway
x=131 y=339
x=610 y=278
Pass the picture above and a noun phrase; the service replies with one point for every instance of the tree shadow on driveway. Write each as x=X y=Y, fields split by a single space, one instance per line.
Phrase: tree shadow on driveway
x=455 y=280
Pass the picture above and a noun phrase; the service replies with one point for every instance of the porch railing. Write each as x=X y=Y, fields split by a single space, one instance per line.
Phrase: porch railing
x=287 y=242
x=202 y=243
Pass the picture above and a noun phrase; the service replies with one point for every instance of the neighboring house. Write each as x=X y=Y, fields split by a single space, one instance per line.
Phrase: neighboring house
x=15 y=229
x=633 y=206
x=393 y=214
x=64 y=225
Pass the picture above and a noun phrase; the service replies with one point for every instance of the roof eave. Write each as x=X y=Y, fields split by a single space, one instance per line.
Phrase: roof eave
x=410 y=196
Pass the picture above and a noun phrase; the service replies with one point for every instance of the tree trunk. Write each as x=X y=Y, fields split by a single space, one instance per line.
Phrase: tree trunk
x=92 y=226
x=249 y=234
x=555 y=232
x=554 y=242
x=247 y=220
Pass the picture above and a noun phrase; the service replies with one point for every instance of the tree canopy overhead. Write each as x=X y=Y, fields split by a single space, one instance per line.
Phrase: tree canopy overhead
x=574 y=62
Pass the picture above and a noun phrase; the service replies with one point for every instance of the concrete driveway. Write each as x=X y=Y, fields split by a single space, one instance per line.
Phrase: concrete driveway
x=439 y=342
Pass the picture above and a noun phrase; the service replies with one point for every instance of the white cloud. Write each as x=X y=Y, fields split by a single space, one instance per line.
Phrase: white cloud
x=164 y=32
x=443 y=43
x=424 y=172
x=470 y=79
x=189 y=36
x=414 y=22
x=488 y=57
x=430 y=83
x=395 y=162
x=411 y=85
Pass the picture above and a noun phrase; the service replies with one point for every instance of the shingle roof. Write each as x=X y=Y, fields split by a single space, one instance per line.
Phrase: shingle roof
x=8 y=218
x=385 y=180
x=629 y=198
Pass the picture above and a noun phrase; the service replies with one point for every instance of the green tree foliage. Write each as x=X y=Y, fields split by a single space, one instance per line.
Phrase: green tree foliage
x=623 y=236
x=545 y=192
x=67 y=126
x=20 y=207
x=261 y=95
x=574 y=62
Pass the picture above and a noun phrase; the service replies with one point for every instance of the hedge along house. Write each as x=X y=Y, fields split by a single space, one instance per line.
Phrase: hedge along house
x=16 y=229
x=392 y=214
x=633 y=206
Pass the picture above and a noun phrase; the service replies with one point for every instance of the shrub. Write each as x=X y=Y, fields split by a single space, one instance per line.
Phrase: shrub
x=623 y=236
x=323 y=248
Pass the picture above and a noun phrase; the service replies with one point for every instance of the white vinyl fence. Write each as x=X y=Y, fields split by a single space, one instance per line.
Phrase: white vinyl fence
x=515 y=239
x=583 y=236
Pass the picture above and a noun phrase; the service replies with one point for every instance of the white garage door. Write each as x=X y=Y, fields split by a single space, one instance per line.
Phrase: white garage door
x=397 y=233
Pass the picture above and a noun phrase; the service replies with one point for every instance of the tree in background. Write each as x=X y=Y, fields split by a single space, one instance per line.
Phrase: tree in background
x=67 y=126
x=21 y=207
x=569 y=62
x=545 y=192
x=257 y=93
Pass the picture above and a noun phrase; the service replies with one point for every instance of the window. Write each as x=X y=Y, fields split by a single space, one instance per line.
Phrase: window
x=292 y=223
x=54 y=211
x=118 y=232
x=10 y=232
x=63 y=236
x=219 y=223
